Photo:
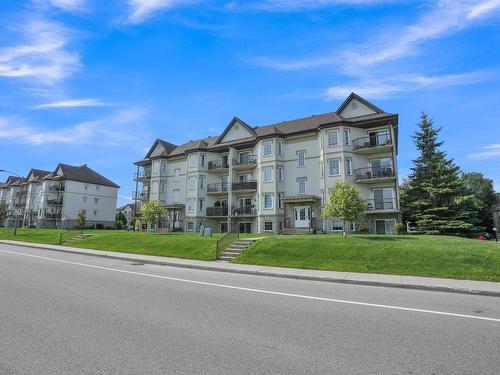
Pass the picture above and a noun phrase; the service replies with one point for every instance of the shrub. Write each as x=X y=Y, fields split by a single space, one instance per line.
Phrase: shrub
x=119 y=224
x=363 y=228
x=99 y=226
x=399 y=228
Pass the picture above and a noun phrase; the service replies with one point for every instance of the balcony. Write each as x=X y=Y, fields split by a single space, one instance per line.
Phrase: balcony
x=141 y=195
x=245 y=186
x=245 y=211
x=373 y=175
x=52 y=216
x=217 y=211
x=218 y=166
x=141 y=176
x=372 y=144
x=381 y=205
x=56 y=188
x=245 y=161
x=221 y=188
x=54 y=202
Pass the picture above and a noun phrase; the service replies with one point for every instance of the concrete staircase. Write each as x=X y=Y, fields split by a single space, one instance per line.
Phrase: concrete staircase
x=235 y=249
x=77 y=238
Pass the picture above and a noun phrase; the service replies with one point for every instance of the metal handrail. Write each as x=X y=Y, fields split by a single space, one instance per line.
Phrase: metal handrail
x=218 y=188
x=371 y=173
x=64 y=234
x=377 y=140
x=244 y=185
x=245 y=159
x=218 y=164
x=381 y=204
x=217 y=211
x=227 y=240
x=245 y=210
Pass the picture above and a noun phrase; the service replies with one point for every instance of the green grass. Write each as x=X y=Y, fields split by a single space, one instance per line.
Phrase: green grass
x=437 y=256
x=178 y=245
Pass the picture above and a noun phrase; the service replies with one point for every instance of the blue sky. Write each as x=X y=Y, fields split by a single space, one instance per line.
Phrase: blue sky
x=88 y=81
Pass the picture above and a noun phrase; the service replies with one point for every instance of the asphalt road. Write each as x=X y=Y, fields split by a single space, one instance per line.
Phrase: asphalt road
x=75 y=314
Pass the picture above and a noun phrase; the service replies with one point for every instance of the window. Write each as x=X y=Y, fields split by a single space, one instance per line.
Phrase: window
x=267 y=174
x=163 y=166
x=156 y=166
x=176 y=195
x=190 y=226
x=201 y=204
x=347 y=137
x=192 y=182
x=84 y=199
x=301 y=181
x=95 y=212
x=203 y=159
x=334 y=167
x=280 y=200
x=177 y=174
x=96 y=200
x=279 y=147
x=301 y=158
x=163 y=186
x=86 y=186
x=268 y=225
x=97 y=187
x=337 y=224
x=193 y=161
x=280 y=173
x=268 y=201
x=202 y=182
x=191 y=204
x=332 y=138
x=348 y=166
x=268 y=148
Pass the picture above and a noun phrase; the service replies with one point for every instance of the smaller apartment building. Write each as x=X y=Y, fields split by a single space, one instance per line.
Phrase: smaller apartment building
x=276 y=178
x=47 y=199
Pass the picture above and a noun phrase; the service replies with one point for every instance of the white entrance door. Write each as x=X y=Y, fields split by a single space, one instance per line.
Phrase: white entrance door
x=302 y=216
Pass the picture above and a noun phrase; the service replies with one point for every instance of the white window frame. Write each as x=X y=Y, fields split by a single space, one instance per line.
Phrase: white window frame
x=177 y=174
x=272 y=201
x=279 y=147
x=264 y=145
x=191 y=203
x=328 y=144
x=190 y=226
x=202 y=181
x=330 y=168
x=201 y=204
x=193 y=160
x=303 y=153
x=176 y=195
x=299 y=180
x=280 y=200
x=192 y=182
x=264 y=177
x=348 y=166
x=280 y=173
x=272 y=226
x=347 y=137
x=203 y=160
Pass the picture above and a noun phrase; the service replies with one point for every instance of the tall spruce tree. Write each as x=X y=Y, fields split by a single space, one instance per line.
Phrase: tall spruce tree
x=432 y=196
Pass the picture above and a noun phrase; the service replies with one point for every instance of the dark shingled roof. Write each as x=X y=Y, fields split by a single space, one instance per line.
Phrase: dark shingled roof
x=81 y=174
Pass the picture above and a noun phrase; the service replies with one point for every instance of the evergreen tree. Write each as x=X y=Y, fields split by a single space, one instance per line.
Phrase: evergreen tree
x=432 y=197
x=481 y=197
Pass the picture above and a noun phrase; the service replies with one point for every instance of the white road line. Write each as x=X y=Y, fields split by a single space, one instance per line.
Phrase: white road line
x=391 y=307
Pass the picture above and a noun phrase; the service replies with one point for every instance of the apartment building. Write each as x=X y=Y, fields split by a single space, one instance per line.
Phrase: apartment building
x=128 y=212
x=47 y=199
x=276 y=178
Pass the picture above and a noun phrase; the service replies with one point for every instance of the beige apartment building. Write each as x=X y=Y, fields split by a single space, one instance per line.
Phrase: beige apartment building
x=276 y=178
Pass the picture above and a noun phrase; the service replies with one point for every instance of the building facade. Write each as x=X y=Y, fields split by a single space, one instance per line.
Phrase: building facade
x=53 y=199
x=496 y=216
x=276 y=178
x=128 y=212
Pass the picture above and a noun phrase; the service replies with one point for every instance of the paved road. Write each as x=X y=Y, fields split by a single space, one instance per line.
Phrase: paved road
x=75 y=314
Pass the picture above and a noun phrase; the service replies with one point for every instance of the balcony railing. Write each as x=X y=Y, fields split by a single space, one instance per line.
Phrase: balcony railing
x=56 y=188
x=371 y=141
x=142 y=175
x=245 y=211
x=244 y=185
x=218 y=188
x=381 y=204
x=245 y=159
x=218 y=164
x=141 y=195
x=217 y=211
x=52 y=216
x=54 y=202
x=373 y=173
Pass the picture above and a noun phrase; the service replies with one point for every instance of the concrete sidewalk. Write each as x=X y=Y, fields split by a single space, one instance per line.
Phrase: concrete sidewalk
x=411 y=282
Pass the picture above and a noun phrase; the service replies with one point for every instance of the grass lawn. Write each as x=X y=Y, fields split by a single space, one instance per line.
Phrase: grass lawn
x=438 y=256
x=178 y=245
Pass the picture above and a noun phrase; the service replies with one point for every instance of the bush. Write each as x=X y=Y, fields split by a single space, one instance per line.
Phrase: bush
x=399 y=228
x=363 y=228
x=99 y=226
x=119 y=224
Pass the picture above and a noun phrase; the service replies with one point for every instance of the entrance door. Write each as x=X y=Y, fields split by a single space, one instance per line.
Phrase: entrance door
x=245 y=227
x=384 y=226
x=302 y=216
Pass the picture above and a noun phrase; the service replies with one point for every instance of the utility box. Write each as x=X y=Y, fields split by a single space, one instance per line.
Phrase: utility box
x=207 y=232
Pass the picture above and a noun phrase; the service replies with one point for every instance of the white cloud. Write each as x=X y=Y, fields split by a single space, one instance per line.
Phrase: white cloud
x=483 y=9
x=292 y=5
x=73 y=103
x=140 y=10
x=42 y=54
x=118 y=129
x=69 y=5
x=491 y=151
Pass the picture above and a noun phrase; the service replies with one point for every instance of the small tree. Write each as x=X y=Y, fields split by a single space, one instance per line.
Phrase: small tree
x=151 y=212
x=81 y=219
x=345 y=203
x=120 y=216
x=3 y=213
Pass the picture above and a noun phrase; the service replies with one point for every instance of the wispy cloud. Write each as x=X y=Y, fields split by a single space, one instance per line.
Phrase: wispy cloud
x=490 y=151
x=115 y=130
x=293 y=5
x=140 y=10
x=73 y=103
x=42 y=53
x=69 y=5
x=483 y=9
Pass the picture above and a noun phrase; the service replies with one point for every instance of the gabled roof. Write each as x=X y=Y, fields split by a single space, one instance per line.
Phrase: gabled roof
x=230 y=125
x=81 y=174
x=169 y=147
x=353 y=95
x=37 y=174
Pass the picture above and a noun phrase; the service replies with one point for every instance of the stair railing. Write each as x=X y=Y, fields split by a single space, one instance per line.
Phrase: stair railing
x=227 y=240
x=67 y=234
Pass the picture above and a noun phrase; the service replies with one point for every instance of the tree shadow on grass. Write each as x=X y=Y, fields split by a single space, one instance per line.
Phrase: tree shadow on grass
x=388 y=238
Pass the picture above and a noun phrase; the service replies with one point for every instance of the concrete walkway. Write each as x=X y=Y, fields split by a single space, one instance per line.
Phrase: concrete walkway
x=411 y=282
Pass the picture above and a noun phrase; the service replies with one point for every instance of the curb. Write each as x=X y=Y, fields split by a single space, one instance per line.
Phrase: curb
x=265 y=273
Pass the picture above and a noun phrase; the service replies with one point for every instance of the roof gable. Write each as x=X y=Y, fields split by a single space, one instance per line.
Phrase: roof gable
x=160 y=148
x=237 y=129
x=355 y=106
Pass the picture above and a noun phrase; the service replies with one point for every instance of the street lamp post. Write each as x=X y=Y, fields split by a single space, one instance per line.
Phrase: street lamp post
x=19 y=209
